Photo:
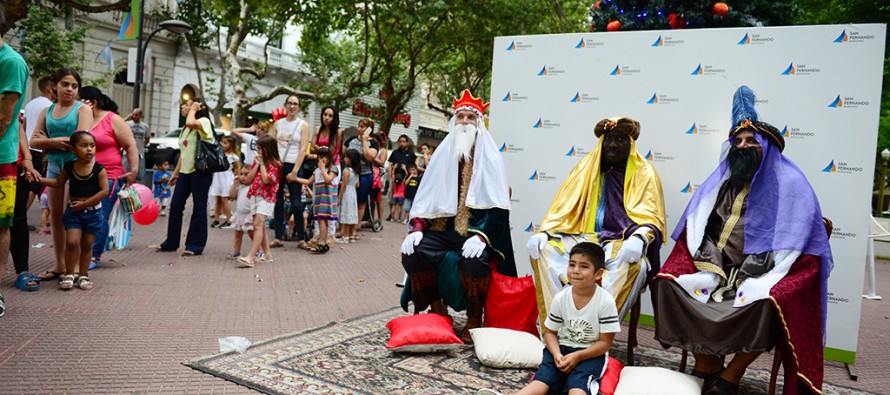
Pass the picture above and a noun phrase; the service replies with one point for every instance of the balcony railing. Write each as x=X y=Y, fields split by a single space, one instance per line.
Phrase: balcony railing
x=277 y=57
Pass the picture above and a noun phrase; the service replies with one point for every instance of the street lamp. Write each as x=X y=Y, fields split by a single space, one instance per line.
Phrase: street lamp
x=173 y=26
x=885 y=154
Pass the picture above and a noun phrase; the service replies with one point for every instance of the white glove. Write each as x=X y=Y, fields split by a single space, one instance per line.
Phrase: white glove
x=631 y=250
x=473 y=247
x=411 y=240
x=536 y=244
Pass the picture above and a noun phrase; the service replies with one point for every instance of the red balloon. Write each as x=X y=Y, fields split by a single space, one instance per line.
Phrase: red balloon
x=720 y=9
x=614 y=26
x=147 y=215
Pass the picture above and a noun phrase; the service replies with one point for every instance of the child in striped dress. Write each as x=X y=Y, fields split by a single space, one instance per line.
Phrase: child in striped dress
x=326 y=203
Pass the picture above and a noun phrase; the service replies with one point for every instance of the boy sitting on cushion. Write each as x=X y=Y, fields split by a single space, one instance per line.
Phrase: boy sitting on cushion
x=578 y=331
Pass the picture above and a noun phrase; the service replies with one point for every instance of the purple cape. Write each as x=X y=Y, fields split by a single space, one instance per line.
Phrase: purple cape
x=782 y=212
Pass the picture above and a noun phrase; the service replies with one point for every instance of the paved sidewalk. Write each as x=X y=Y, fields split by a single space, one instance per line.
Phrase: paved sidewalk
x=149 y=311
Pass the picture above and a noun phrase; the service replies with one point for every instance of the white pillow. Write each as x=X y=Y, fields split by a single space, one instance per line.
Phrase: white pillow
x=640 y=380
x=506 y=348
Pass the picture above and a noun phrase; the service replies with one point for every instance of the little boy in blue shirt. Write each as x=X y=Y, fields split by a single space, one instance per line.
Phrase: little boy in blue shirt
x=161 y=189
x=578 y=331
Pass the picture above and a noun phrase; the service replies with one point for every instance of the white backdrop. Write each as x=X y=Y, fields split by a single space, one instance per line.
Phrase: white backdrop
x=820 y=84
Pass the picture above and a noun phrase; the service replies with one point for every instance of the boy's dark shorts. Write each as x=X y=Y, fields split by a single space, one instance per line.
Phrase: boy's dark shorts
x=579 y=377
x=88 y=221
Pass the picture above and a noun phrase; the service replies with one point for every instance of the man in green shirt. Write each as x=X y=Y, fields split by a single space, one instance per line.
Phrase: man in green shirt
x=13 y=82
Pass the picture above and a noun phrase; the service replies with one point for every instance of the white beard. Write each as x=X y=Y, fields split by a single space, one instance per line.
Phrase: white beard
x=464 y=141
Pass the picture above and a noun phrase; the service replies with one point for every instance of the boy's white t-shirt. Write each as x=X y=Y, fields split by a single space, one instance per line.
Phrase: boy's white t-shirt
x=581 y=328
x=250 y=152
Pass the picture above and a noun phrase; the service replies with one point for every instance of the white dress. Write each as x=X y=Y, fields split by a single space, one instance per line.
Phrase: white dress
x=222 y=180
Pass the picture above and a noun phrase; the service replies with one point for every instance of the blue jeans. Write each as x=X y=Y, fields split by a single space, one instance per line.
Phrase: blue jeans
x=196 y=185
x=280 y=216
x=88 y=221
x=99 y=246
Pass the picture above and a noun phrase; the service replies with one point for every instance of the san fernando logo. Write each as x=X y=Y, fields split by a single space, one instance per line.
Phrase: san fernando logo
x=706 y=70
x=510 y=148
x=800 y=69
x=514 y=97
x=576 y=151
x=544 y=123
x=518 y=46
x=588 y=43
x=666 y=41
x=755 y=39
x=550 y=71
x=853 y=36
x=847 y=102
x=540 y=176
x=688 y=188
x=796 y=133
x=531 y=228
x=662 y=99
x=841 y=167
x=703 y=129
x=624 y=71
x=581 y=97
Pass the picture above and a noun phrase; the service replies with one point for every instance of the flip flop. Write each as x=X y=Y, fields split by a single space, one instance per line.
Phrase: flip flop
x=49 y=275
x=24 y=279
x=246 y=262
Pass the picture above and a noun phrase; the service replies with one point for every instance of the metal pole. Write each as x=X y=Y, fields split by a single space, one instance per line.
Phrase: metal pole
x=883 y=185
x=139 y=55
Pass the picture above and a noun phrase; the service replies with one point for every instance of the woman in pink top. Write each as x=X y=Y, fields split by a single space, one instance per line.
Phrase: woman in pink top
x=112 y=134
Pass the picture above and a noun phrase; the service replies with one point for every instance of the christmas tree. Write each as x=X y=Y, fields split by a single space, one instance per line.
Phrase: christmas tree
x=615 y=15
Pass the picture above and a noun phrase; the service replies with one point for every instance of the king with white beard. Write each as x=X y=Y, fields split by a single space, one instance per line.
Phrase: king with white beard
x=462 y=206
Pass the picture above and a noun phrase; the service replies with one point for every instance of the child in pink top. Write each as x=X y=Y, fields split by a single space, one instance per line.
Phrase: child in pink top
x=264 y=179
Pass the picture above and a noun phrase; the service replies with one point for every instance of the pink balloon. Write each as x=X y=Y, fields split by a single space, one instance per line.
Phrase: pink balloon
x=145 y=195
x=147 y=215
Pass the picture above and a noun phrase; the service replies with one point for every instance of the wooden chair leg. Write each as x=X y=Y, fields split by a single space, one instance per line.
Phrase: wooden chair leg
x=774 y=373
x=632 y=331
x=683 y=355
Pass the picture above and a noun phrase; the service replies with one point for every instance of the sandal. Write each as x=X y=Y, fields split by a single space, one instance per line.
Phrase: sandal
x=302 y=244
x=718 y=386
x=26 y=278
x=187 y=253
x=321 y=249
x=66 y=282
x=49 y=275
x=232 y=256
x=246 y=262
x=84 y=283
x=264 y=259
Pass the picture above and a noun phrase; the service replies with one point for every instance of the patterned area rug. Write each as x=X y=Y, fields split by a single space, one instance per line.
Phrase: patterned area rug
x=350 y=357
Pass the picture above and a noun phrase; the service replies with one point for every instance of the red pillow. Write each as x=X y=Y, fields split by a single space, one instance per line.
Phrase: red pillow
x=511 y=303
x=422 y=333
x=609 y=381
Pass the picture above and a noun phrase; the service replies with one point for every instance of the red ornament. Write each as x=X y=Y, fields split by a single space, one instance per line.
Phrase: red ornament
x=677 y=22
x=720 y=8
x=596 y=5
x=613 y=26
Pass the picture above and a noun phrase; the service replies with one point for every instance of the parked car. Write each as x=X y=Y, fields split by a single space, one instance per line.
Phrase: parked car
x=166 y=148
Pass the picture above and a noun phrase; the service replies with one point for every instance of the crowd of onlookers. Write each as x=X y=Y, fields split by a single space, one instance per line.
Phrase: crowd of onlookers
x=286 y=181
x=70 y=150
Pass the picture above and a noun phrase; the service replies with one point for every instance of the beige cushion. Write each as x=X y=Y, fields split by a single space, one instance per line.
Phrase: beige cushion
x=640 y=380
x=506 y=348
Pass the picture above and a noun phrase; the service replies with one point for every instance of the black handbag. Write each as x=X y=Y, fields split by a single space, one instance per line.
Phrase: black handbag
x=209 y=155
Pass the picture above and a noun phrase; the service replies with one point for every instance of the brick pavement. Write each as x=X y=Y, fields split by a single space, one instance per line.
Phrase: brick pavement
x=149 y=311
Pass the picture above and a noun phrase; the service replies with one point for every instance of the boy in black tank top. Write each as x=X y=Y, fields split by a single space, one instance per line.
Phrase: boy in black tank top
x=88 y=185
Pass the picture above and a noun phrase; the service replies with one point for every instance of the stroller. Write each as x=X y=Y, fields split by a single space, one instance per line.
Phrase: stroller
x=371 y=211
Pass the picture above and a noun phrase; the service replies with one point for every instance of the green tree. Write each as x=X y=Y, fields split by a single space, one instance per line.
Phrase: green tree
x=16 y=10
x=858 y=11
x=44 y=45
x=220 y=28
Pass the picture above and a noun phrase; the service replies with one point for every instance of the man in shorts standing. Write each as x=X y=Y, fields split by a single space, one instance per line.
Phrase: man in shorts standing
x=13 y=82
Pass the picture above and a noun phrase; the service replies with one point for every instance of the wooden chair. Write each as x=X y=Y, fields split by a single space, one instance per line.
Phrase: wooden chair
x=632 y=330
x=777 y=352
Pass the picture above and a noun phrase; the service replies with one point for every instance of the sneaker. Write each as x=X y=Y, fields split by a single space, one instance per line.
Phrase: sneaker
x=163 y=213
x=2 y=306
x=227 y=225
x=95 y=262
x=214 y=224
x=486 y=391
x=260 y=254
